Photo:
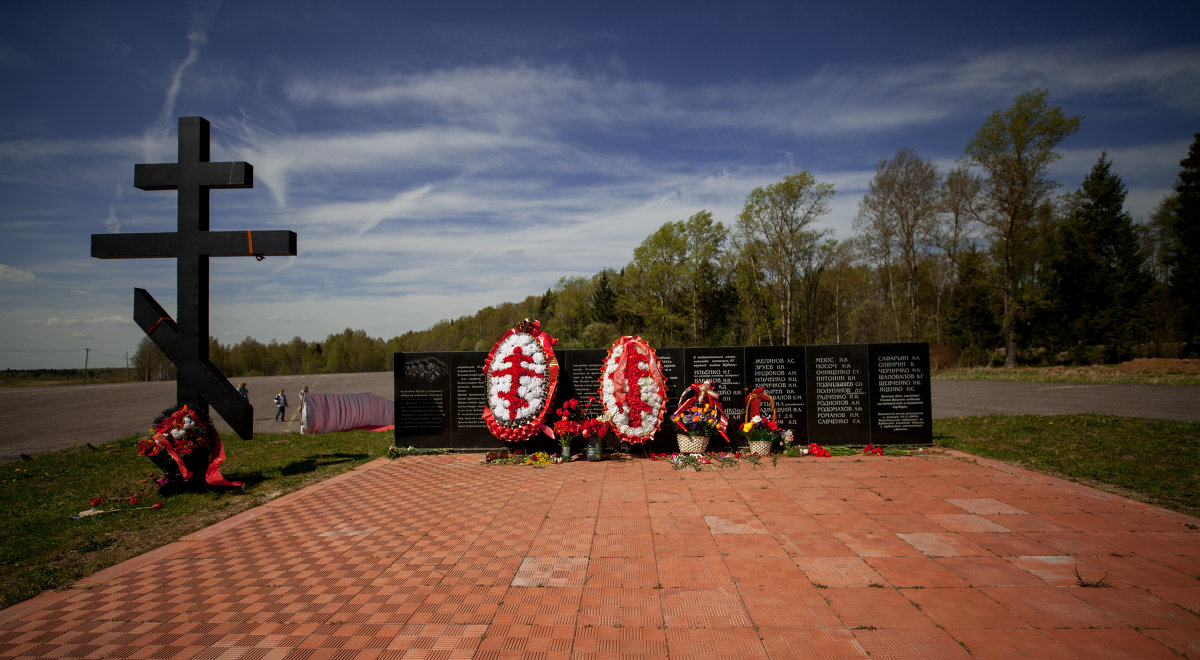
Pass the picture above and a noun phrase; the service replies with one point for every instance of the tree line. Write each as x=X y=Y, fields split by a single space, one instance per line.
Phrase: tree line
x=985 y=262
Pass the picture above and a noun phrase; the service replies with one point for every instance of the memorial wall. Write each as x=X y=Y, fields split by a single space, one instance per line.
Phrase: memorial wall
x=844 y=394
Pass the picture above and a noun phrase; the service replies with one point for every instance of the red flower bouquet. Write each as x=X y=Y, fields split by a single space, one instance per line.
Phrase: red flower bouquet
x=187 y=449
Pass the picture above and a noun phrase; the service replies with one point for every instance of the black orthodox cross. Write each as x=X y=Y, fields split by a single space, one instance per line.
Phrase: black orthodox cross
x=184 y=340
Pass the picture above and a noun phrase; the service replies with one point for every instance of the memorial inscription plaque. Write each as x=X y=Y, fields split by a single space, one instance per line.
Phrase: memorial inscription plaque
x=422 y=396
x=846 y=394
x=779 y=370
x=725 y=368
x=837 y=380
x=901 y=401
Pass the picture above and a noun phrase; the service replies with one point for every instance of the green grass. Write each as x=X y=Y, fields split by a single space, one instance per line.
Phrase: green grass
x=42 y=548
x=1154 y=460
x=1085 y=375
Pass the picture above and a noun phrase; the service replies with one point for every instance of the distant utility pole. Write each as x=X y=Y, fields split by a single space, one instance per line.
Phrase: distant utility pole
x=86 y=353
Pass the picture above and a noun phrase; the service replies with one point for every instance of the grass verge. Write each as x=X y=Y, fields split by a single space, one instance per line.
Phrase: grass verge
x=1084 y=375
x=42 y=548
x=1153 y=460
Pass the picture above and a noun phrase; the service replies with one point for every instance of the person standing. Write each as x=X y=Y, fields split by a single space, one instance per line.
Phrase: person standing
x=303 y=395
x=280 y=406
x=243 y=391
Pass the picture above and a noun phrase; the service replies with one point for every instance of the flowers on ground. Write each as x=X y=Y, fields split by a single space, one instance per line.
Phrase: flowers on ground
x=817 y=450
x=539 y=458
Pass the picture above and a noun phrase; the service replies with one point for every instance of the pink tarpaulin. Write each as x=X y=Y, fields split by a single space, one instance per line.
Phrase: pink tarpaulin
x=325 y=413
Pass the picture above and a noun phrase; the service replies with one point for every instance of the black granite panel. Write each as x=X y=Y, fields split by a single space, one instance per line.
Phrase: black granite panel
x=837 y=388
x=779 y=370
x=422 y=399
x=901 y=400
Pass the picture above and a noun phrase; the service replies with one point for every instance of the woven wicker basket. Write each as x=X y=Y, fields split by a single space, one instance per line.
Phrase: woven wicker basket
x=760 y=447
x=692 y=444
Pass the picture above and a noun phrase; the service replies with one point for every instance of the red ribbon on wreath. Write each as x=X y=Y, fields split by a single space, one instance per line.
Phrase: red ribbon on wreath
x=754 y=403
x=704 y=393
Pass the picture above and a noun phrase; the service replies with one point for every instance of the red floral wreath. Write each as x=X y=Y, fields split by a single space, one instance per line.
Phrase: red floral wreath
x=633 y=389
x=520 y=374
x=181 y=433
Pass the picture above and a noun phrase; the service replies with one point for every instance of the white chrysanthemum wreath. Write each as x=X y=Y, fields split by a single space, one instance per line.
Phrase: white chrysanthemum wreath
x=632 y=389
x=521 y=374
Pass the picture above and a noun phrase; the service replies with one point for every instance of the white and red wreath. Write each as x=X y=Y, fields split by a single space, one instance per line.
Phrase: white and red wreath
x=521 y=374
x=633 y=389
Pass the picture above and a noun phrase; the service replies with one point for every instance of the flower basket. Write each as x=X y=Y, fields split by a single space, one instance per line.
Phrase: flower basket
x=692 y=444
x=698 y=416
x=760 y=430
x=760 y=447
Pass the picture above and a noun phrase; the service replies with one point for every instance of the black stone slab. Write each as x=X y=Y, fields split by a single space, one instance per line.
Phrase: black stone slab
x=779 y=370
x=468 y=399
x=422 y=387
x=837 y=391
x=578 y=375
x=901 y=398
x=674 y=364
x=852 y=394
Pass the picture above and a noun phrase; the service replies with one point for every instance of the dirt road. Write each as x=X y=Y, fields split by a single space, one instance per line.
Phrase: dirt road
x=43 y=419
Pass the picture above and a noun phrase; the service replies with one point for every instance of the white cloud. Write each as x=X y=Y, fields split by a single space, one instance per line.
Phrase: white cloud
x=14 y=275
x=834 y=100
x=201 y=19
x=109 y=320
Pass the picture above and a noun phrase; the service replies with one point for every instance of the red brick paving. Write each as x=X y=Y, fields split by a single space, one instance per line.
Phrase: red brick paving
x=443 y=557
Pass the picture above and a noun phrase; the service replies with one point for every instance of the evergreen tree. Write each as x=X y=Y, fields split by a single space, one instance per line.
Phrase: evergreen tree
x=604 y=299
x=546 y=304
x=1183 y=255
x=1097 y=279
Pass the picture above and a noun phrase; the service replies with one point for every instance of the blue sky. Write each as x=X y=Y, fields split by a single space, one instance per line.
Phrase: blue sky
x=434 y=160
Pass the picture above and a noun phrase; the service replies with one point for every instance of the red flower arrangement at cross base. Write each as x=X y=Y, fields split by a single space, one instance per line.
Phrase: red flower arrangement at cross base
x=633 y=389
x=521 y=374
x=182 y=433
